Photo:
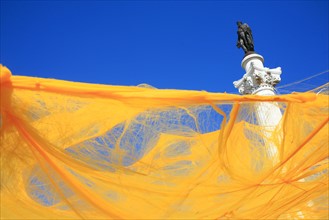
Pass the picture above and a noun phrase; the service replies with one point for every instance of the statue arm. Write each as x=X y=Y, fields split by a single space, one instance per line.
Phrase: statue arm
x=238 y=42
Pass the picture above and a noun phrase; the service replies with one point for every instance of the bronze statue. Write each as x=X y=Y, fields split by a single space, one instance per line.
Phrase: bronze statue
x=245 y=39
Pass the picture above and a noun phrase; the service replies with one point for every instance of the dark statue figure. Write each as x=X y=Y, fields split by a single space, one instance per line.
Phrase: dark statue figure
x=245 y=39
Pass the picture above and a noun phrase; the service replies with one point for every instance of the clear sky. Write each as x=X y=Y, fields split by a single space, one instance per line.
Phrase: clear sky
x=167 y=44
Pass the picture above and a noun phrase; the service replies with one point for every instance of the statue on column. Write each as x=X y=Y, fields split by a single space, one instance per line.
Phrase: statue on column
x=245 y=39
x=257 y=78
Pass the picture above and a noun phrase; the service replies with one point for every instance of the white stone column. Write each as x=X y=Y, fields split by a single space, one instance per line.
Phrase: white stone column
x=260 y=80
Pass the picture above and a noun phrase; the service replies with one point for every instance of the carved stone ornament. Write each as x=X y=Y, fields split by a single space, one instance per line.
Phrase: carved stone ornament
x=257 y=78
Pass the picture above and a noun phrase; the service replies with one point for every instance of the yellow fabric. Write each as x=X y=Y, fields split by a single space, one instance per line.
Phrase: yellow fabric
x=82 y=151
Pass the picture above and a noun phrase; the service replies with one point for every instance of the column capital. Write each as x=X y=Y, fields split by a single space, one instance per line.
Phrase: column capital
x=257 y=77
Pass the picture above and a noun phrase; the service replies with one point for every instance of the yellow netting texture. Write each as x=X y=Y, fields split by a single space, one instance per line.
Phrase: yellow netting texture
x=83 y=151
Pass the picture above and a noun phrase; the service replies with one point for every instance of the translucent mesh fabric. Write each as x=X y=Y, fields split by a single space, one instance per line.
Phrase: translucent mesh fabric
x=83 y=151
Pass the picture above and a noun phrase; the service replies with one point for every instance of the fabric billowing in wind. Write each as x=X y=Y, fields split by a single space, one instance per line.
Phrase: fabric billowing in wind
x=84 y=151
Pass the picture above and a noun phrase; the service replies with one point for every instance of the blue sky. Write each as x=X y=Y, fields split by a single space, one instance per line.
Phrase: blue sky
x=167 y=44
